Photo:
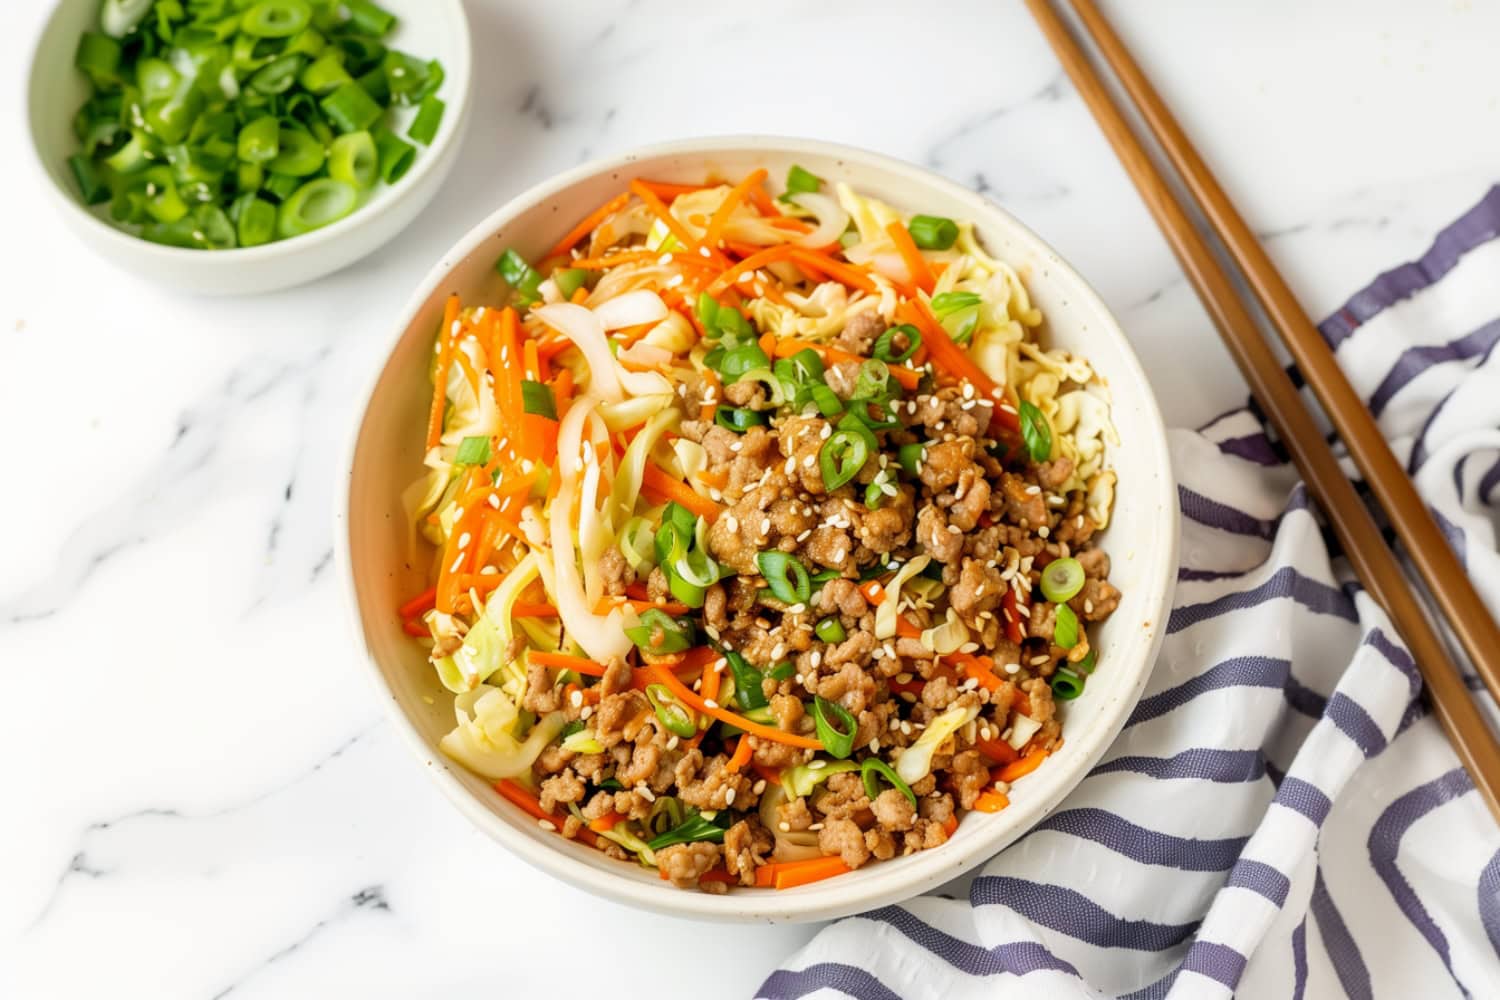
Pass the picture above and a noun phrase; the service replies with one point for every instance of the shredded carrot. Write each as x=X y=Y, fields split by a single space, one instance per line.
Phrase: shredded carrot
x=731 y=277
x=667 y=189
x=873 y=591
x=991 y=801
x=711 y=390
x=673 y=224
x=533 y=362
x=949 y=357
x=580 y=295
x=763 y=203
x=846 y=274
x=771 y=774
x=768 y=344
x=978 y=668
x=564 y=661
x=605 y=823
x=1020 y=768
x=997 y=750
x=1010 y=613
x=715 y=478
x=916 y=264
x=786 y=222
x=589 y=223
x=440 y=377
x=532 y=806
x=608 y=604
x=523 y=609
x=658 y=673
x=743 y=751
x=425 y=601
x=950 y=824
x=663 y=486
x=737 y=194
x=414 y=627
x=790 y=874
x=562 y=389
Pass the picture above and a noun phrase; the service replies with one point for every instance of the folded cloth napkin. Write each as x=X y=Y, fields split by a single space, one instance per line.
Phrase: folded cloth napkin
x=1281 y=816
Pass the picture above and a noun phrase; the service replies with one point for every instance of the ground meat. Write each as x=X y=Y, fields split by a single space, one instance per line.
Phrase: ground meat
x=1096 y=601
x=935 y=808
x=938 y=693
x=541 y=694
x=944 y=412
x=746 y=845
x=777 y=756
x=842 y=596
x=716 y=606
x=1052 y=475
x=553 y=759
x=844 y=797
x=943 y=463
x=684 y=864
x=885 y=529
x=844 y=838
x=894 y=811
x=854 y=649
x=788 y=711
x=571 y=825
x=860 y=331
x=561 y=789
x=616 y=677
x=746 y=393
x=925 y=835
x=1043 y=621
x=710 y=785
x=850 y=686
x=941 y=544
x=830 y=548
x=980 y=588
x=590 y=766
x=657 y=587
x=620 y=717
x=1021 y=501
x=615 y=571
x=971 y=501
x=800 y=439
x=641 y=766
x=599 y=806
x=970 y=777
x=843 y=378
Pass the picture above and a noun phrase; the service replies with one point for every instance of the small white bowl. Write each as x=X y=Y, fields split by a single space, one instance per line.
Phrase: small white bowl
x=386 y=456
x=431 y=29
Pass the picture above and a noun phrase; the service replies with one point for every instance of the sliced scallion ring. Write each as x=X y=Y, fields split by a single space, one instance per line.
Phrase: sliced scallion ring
x=874 y=768
x=1062 y=579
x=836 y=739
x=353 y=159
x=786 y=576
x=316 y=204
x=885 y=344
x=276 y=18
x=1066 y=685
x=677 y=719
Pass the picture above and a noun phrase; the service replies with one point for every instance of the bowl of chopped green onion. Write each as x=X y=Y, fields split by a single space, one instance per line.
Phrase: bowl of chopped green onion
x=239 y=146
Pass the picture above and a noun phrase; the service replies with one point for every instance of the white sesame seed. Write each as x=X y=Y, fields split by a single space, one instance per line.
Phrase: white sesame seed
x=731 y=523
x=645 y=792
x=490 y=571
x=784 y=826
x=464 y=540
x=1033 y=489
x=875 y=745
x=547 y=824
x=587 y=711
x=969 y=647
x=729 y=797
x=1037 y=661
x=1044 y=531
x=759 y=786
x=672 y=743
x=816 y=826
x=817 y=765
x=810 y=460
x=1088 y=606
x=815 y=658
x=577 y=699
x=711 y=704
x=456 y=563
x=494 y=500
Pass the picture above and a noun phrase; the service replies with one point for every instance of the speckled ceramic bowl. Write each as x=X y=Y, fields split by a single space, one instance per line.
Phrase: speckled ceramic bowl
x=434 y=29
x=386 y=457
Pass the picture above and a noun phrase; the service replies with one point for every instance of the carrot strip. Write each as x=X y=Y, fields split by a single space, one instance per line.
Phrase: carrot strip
x=564 y=661
x=730 y=277
x=589 y=223
x=916 y=264
x=712 y=390
x=673 y=224
x=763 y=203
x=425 y=601
x=771 y=774
x=532 y=610
x=686 y=696
x=794 y=873
x=440 y=377
x=717 y=479
x=1010 y=614
x=605 y=823
x=580 y=295
x=414 y=627
x=527 y=801
x=976 y=668
x=737 y=194
x=533 y=362
x=664 y=487
x=667 y=189
x=951 y=358
x=606 y=604
x=991 y=802
x=997 y=750
x=846 y=274
x=950 y=824
x=1020 y=768
x=741 y=756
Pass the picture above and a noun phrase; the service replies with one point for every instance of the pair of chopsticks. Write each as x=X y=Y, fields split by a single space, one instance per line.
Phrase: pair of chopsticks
x=1373 y=561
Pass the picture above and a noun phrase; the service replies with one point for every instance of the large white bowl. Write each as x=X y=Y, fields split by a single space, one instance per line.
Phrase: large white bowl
x=432 y=29
x=386 y=457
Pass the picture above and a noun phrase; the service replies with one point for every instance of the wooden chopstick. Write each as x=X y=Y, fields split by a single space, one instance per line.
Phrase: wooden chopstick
x=1430 y=553
x=1368 y=554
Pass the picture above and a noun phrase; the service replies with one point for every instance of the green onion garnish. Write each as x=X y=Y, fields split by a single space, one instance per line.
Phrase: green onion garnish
x=799 y=181
x=738 y=419
x=276 y=18
x=782 y=672
x=677 y=719
x=1066 y=685
x=520 y=276
x=569 y=279
x=473 y=451
x=1036 y=433
x=786 y=576
x=931 y=232
x=424 y=127
x=659 y=633
x=747 y=680
x=841 y=458
x=368 y=17
x=1065 y=628
x=693 y=829
x=825 y=399
x=353 y=159
x=909 y=456
x=396 y=155
x=298 y=154
x=537 y=399
x=316 y=204
x=873 y=769
x=830 y=630
x=1062 y=579
x=839 y=740
x=1086 y=665
x=885 y=344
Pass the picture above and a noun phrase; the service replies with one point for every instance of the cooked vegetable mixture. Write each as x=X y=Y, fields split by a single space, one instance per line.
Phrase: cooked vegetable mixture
x=216 y=124
x=766 y=531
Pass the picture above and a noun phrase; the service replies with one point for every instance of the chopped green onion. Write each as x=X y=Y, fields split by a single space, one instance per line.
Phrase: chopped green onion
x=693 y=830
x=807 y=365
x=120 y=17
x=473 y=451
x=282 y=186
x=568 y=280
x=1066 y=685
x=299 y=153
x=909 y=456
x=736 y=361
x=931 y=232
x=260 y=140
x=830 y=630
x=316 y=204
x=874 y=768
x=839 y=740
x=368 y=17
x=98 y=56
x=325 y=74
x=1065 y=628
x=690 y=594
x=350 y=108
x=1036 y=433
x=885 y=344
x=576 y=726
x=960 y=325
x=659 y=633
x=707 y=309
x=799 y=181
x=841 y=458
x=424 y=127
x=396 y=155
x=537 y=399
x=747 y=680
x=782 y=672
x=520 y=276
x=1086 y=665
x=276 y=18
x=214 y=231
x=825 y=399
x=91 y=185
x=786 y=576
x=677 y=719
x=738 y=419
x=874 y=496
x=871 y=381
x=1062 y=579
x=257 y=222
x=277 y=76
x=352 y=159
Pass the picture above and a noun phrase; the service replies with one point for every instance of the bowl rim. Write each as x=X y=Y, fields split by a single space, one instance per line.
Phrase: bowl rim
x=459 y=76
x=901 y=878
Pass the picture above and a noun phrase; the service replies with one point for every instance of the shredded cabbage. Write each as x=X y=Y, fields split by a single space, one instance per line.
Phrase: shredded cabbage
x=947 y=637
x=1022 y=730
x=802 y=779
x=498 y=608
x=889 y=610
x=627 y=485
x=484 y=740
x=915 y=762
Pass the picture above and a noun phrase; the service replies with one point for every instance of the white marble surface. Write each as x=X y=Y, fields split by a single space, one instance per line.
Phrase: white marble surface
x=201 y=795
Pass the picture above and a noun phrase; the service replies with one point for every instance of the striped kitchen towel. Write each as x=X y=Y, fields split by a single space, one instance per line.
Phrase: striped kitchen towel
x=1280 y=817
